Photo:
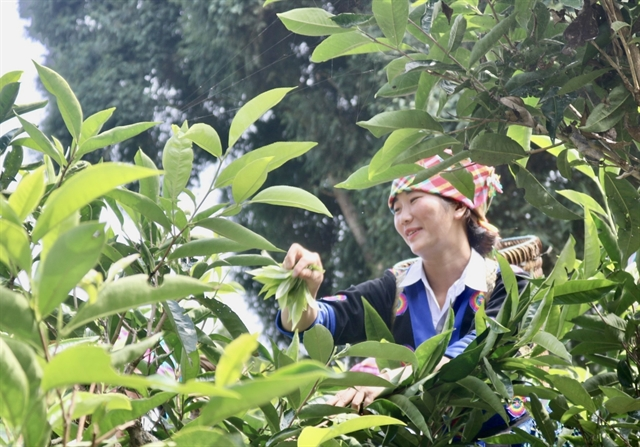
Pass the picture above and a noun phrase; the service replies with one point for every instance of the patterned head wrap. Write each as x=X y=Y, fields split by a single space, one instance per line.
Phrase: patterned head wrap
x=486 y=182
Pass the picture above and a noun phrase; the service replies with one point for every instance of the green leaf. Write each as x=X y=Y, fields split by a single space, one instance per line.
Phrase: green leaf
x=401 y=85
x=227 y=317
x=254 y=393
x=425 y=85
x=484 y=392
x=112 y=136
x=36 y=430
x=11 y=166
x=353 y=378
x=350 y=20
x=313 y=436
x=141 y=204
x=591 y=260
x=250 y=179
x=14 y=388
x=318 y=342
x=67 y=102
x=457 y=33
x=150 y=186
x=573 y=391
x=564 y=264
x=624 y=201
x=489 y=40
x=206 y=137
x=385 y=351
x=310 y=22
x=177 y=161
x=69 y=368
x=538 y=196
x=279 y=152
x=391 y=16
x=347 y=44
x=540 y=316
x=28 y=193
x=622 y=405
x=584 y=200
x=92 y=125
x=386 y=122
x=582 y=291
x=398 y=142
x=244 y=261
x=551 y=344
x=462 y=180
x=17 y=318
x=139 y=407
x=207 y=247
x=129 y=353
x=10 y=77
x=495 y=149
x=21 y=109
x=183 y=325
x=375 y=327
x=412 y=412
x=430 y=352
x=360 y=179
x=582 y=80
x=320 y=410
x=606 y=114
x=543 y=421
x=134 y=291
x=236 y=354
x=15 y=245
x=254 y=109
x=8 y=96
x=292 y=197
x=236 y=232
x=42 y=143
x=201 y=436
x=427 y=148
x=82 y=189
x=497 y=383
x=72 y=255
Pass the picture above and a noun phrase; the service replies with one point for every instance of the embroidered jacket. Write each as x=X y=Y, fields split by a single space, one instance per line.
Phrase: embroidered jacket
x=409 y=317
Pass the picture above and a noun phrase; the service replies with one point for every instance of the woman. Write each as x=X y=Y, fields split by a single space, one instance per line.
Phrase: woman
x=450 y=235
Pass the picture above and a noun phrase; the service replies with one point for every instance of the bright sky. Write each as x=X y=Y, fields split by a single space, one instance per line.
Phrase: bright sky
x=16 y=53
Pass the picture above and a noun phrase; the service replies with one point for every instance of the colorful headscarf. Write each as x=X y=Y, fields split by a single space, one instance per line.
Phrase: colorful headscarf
x=486 y=182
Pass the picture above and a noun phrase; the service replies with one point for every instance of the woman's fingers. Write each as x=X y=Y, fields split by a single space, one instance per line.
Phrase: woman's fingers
x=342 y=398
x=305 y=265
x=356 y=397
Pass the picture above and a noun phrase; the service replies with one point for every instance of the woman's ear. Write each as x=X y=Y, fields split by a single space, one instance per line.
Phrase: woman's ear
x=460 y=210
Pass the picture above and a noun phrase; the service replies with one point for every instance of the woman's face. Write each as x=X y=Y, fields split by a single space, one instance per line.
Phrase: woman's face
x=428 y=223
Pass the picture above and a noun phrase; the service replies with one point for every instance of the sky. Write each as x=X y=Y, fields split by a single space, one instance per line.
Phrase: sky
x=17 y=52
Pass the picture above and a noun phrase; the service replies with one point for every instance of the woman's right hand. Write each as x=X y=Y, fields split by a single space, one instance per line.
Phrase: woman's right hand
x=300 y=260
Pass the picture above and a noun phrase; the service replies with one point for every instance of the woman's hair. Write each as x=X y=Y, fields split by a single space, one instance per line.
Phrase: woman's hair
x=480 y=239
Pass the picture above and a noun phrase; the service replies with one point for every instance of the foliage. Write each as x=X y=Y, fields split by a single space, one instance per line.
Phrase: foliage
x=91 y=319
x=108 y=337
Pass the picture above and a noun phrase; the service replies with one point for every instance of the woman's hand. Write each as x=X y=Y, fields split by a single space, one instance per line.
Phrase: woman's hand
x=307 y=266
x=357 y=397
x=299 y=259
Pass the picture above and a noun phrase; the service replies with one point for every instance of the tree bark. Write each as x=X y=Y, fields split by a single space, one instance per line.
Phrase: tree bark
x=352 y=218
